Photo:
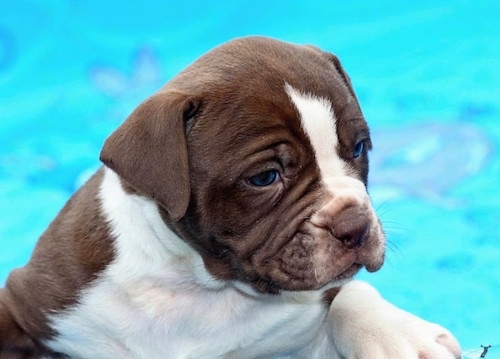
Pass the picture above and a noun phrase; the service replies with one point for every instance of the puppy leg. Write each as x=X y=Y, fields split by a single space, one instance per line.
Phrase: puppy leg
x=364 y=325
x=14 y=343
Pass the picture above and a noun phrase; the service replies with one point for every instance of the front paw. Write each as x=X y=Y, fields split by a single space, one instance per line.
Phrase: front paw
x=365 y=326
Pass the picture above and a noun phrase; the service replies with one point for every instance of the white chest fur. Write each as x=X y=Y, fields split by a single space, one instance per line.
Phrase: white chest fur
x=156 y=300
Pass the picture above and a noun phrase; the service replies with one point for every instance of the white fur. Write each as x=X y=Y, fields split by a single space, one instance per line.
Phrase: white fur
x=367 y=326
x=320 y=125
x=156 y=300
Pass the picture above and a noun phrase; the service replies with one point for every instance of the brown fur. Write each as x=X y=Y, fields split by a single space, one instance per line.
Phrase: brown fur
x=69 y=255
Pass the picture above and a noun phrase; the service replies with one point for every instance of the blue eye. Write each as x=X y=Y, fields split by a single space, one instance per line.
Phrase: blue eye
x=265 y=178
x=358 y=149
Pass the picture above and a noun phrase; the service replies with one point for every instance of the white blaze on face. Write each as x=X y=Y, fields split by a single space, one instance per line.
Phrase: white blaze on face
x=319 y=123
x=344 y=190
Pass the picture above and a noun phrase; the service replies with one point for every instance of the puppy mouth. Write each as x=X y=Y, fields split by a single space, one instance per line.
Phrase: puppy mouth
x=306 y=273
x=305 y=257
x=313 y=260
x=349 y=273
x=293 y=284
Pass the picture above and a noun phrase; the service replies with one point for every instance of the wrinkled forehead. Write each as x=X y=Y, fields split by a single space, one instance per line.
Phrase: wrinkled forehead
x=262 y=93
x=255 y=110
x=314 y=124
x=264 y=96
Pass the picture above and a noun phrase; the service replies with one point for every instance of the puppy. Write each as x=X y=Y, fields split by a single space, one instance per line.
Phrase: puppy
x=228 y=219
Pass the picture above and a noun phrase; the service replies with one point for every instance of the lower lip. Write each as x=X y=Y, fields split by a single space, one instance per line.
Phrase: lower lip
x=351 y=271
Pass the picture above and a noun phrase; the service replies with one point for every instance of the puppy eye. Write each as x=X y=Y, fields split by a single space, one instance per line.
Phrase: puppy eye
x=358 y=149
x=265 y=178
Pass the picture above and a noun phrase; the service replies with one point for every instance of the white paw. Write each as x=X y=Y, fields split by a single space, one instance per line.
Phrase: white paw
x=365 y=326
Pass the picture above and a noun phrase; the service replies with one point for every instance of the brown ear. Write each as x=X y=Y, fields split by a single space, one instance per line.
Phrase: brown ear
x=14 y=342
x=338 y=66
x=149 y=150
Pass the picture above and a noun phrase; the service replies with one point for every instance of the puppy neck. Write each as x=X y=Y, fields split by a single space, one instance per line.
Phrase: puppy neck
x=146 y=246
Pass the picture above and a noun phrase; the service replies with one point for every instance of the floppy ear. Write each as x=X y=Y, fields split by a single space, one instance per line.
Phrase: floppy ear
x=338 y=66
x=149 y=150
x=14 y=342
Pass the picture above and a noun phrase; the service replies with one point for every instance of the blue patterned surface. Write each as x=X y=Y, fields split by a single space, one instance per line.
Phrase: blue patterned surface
x=427 y=75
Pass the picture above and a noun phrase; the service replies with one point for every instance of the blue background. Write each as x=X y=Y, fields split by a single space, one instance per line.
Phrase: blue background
x=427 y=74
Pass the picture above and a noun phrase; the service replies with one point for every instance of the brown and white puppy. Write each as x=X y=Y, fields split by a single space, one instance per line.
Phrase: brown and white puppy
x=230 y=211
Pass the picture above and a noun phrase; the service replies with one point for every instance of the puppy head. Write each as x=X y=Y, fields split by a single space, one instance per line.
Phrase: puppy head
x=257 y=156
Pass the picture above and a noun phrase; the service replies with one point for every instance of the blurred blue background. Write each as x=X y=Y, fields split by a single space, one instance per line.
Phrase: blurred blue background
x=427 y=74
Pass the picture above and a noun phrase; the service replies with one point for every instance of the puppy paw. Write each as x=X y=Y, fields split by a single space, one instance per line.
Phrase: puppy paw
x=365 y=326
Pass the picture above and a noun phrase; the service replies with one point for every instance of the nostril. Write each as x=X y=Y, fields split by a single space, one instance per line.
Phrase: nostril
x=351 y=235
x=350 y=227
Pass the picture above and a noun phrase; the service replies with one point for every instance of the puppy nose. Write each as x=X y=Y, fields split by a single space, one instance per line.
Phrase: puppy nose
x=350 y=227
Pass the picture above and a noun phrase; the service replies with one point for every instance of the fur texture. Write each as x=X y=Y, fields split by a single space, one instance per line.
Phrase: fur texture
x=228 y=219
